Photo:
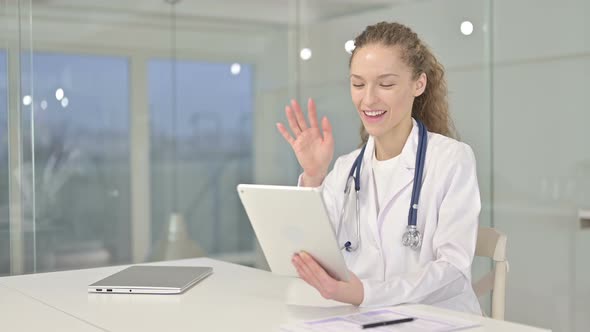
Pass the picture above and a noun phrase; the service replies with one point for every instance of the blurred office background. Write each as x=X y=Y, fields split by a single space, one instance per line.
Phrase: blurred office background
x=125 y=126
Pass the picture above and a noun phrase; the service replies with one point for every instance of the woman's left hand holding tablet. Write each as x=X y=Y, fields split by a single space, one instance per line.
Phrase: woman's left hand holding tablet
x=310 y=271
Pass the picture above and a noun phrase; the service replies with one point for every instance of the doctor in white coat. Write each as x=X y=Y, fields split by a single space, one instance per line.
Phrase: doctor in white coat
x=394 y=81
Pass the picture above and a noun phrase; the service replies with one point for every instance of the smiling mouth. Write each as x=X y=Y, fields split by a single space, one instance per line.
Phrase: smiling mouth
x=374 y=114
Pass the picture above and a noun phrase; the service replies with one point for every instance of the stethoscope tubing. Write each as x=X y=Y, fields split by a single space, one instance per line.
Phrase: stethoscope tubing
x=412 y=237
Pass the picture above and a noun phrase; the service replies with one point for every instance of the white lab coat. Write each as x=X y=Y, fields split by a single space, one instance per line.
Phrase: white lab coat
x=438 y=273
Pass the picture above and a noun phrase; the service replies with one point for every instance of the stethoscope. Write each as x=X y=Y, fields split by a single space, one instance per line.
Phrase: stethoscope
x=412 y=237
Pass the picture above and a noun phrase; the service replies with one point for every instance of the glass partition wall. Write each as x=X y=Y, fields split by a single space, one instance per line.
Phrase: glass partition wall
x=130 y=129
x=125 y=127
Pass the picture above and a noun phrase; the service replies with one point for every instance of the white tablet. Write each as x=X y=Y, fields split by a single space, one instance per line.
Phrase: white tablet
x=287 y=220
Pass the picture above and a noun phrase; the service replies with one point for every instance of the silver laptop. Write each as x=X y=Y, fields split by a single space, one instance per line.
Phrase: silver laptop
x=146 y=279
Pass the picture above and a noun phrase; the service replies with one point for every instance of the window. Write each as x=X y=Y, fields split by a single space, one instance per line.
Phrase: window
x=81 y=150
x=202 y=137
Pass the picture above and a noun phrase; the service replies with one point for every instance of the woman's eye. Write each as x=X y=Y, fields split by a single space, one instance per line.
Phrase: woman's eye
x=387 y=85
x=358 y=85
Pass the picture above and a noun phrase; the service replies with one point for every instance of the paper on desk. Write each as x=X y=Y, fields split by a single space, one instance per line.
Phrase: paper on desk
x=422 y=322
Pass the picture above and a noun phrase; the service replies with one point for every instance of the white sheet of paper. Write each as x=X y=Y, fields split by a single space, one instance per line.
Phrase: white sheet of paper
x=354 y=322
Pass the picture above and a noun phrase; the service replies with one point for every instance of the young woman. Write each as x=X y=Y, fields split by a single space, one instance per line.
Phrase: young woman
x=406 y=204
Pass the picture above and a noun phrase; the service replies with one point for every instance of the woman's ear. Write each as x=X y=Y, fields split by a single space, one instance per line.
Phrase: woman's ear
x=420 y=85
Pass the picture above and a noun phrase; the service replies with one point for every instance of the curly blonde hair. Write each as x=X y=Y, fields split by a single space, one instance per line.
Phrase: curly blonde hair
x=431 y=107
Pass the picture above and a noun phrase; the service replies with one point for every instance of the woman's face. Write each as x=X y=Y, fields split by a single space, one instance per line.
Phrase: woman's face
x=382 y=88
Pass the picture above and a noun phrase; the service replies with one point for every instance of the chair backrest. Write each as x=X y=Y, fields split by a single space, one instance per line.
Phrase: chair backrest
x=492 y=244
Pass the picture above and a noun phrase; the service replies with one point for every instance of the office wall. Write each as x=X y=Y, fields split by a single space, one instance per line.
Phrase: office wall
x=4 y=234
x=541 y=157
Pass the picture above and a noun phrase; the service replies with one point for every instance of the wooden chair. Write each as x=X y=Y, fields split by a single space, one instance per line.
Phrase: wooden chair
x=492 y=244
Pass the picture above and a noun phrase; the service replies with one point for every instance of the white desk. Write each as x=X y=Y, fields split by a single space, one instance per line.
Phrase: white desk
x=21 y=313
x=233 y=298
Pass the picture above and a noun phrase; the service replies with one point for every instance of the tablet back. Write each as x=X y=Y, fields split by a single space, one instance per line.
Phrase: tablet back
x=287 y=220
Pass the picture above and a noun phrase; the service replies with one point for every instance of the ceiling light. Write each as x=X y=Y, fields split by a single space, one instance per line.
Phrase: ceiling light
x=466 y=28
x=305 y=54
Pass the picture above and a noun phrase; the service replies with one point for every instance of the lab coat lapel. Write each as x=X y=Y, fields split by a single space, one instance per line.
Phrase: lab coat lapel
x=368 y=193
x=404 y=172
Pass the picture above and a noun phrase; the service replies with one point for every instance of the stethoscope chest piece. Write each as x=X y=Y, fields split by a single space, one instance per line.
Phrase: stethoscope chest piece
x=412 y=237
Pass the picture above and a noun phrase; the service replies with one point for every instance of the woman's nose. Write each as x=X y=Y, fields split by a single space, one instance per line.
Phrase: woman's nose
x=370 y=96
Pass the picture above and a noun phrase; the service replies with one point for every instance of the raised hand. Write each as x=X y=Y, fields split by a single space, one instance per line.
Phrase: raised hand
x=313 y=150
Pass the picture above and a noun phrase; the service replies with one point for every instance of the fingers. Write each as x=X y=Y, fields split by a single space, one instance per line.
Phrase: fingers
x=314 y=274
x=305 y=273
x=327 y=129
x=297 y=121
x=324 y=283
x=285 y=133
x=292 y=121
x=299 y=115
x=318 y=271
x=312 y=114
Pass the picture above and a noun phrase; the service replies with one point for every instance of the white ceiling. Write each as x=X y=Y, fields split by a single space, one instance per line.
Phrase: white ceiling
x=246 y=11
x=145 y=24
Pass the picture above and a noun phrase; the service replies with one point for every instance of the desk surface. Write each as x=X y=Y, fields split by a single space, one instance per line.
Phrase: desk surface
x=233 y=297
x=22 y=313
